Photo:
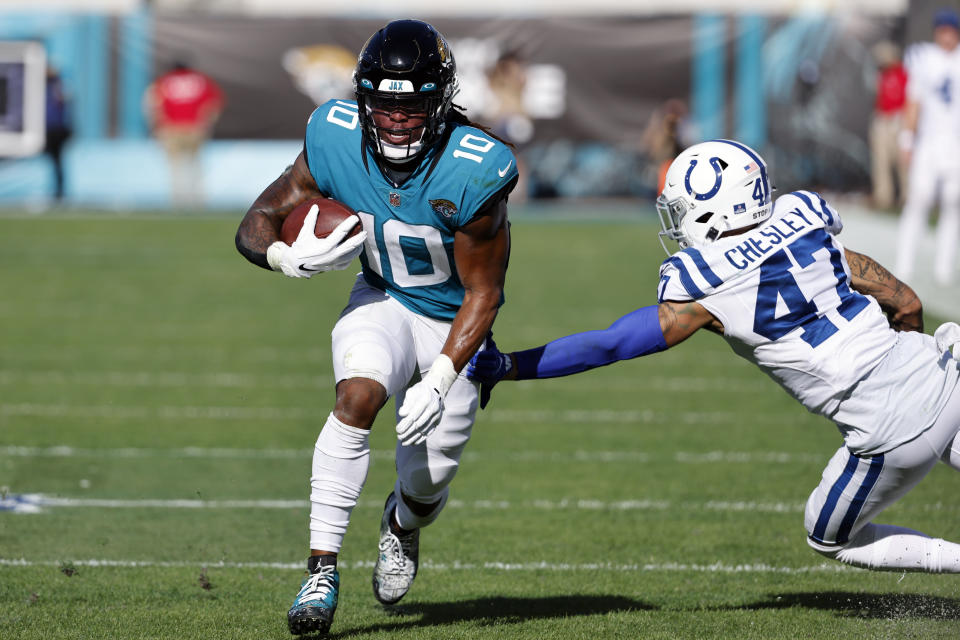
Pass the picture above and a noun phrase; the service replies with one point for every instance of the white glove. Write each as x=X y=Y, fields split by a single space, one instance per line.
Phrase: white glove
x=947 y=336
x=309 y=254
x=423 y=406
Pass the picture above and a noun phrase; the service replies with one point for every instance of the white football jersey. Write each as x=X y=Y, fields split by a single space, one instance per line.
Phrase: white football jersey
x=933 y=81
x=782 y=292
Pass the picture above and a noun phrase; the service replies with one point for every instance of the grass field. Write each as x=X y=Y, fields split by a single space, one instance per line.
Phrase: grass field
x=162 y=397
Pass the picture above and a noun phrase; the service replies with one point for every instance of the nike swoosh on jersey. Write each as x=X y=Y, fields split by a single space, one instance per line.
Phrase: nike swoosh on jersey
x=503 y=171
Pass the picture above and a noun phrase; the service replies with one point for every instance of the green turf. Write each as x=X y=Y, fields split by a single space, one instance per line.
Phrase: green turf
x=659 y=498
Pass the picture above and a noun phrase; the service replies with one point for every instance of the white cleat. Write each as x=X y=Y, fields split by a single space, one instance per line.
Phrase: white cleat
x=397 y=563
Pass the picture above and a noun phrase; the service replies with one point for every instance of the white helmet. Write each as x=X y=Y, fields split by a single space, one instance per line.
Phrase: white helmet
x=712 y=188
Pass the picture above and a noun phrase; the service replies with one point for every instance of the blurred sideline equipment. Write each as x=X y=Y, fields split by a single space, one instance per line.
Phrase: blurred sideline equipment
x=22 y=90
x=773 y=279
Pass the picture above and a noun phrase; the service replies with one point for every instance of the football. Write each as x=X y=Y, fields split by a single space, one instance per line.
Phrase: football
x=331 y=214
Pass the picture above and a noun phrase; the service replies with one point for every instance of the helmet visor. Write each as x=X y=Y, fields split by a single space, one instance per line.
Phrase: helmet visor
x=411 y=105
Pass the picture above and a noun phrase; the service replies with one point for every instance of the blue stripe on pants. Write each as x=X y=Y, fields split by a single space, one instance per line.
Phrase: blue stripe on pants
x=833 y=497
x=876 y=465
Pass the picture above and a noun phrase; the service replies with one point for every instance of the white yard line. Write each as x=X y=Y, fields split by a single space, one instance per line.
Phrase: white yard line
x=722 y=457
x=170 y=379
x=230 y=379
x=600 y=567
x=526 y=416
x=173 y=352
x=38 y=503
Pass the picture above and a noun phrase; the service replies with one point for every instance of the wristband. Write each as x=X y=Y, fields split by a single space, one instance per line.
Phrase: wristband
x=275 y=253
x=442 y=374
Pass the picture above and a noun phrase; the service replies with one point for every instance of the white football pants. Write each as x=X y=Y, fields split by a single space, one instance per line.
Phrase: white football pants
x=378 y=338
x=854 y=490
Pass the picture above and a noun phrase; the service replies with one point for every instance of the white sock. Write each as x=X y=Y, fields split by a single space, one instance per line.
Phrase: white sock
x=884 y=547
x=340 y=462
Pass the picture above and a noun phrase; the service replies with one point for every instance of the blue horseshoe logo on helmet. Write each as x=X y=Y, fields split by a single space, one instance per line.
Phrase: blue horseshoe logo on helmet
x=715 y=163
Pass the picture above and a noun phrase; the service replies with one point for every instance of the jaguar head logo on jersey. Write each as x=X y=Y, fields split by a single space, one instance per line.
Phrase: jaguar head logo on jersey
x=713 y=188
x=404 y=68
x=444 y=207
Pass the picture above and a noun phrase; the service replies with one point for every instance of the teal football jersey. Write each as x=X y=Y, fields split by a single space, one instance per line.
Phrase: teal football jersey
x=410 y=228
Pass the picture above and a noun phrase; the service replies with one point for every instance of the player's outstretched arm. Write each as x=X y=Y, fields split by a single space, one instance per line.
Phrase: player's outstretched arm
x=897 y=300
x=260 y=227
x=641 y=332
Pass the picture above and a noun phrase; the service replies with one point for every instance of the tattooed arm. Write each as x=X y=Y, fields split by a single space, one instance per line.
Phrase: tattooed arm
x=261 y=226
x=897 y=300
x=680 y=320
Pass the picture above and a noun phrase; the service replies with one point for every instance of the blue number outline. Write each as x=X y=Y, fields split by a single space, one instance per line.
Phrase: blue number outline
x=775 y=278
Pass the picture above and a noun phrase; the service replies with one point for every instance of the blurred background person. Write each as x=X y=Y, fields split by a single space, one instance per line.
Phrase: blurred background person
x=929 y=141
x=182 y=106
x=887 y=169
x=58 y=128
x=667 y=134
x=508 y=116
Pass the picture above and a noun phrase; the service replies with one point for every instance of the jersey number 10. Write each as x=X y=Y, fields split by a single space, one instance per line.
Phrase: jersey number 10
x=398 y=234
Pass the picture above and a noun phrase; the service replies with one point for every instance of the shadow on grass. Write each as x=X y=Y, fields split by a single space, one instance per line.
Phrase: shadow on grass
x=864 y=605
x=498 y=610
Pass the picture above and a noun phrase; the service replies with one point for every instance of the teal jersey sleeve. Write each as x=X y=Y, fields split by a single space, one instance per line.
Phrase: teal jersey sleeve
x=332 y=139
x=480 y=167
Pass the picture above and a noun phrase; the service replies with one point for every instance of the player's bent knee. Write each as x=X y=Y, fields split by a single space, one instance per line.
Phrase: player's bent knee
x=358 y=401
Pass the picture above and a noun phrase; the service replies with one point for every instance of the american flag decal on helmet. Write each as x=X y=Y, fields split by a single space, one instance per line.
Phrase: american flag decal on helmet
x=751 y=167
